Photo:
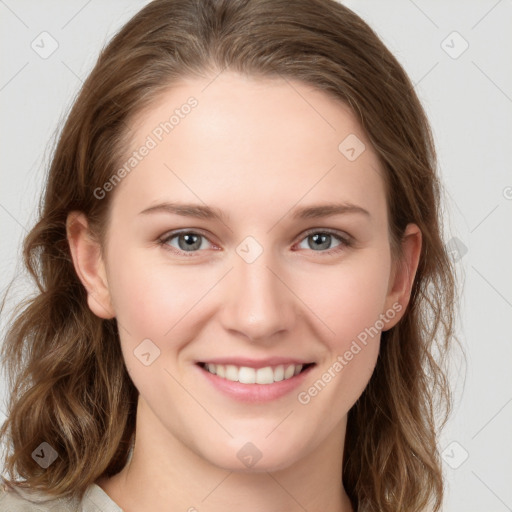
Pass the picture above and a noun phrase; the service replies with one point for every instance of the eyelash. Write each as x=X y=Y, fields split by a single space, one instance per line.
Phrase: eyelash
x=345 y=242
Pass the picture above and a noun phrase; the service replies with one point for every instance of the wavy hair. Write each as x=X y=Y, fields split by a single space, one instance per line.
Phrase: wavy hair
x=68 y=382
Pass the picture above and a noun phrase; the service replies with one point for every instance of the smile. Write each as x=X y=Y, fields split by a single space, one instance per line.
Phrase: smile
x=247 y=375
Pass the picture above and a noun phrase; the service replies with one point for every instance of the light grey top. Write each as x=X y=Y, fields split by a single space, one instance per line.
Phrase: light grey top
x=17 y=499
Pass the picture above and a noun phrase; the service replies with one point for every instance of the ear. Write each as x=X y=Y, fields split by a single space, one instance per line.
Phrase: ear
x=403 y=274
x=89 y=264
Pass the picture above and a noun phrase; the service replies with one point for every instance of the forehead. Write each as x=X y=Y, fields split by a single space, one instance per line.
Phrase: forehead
x=237 y=141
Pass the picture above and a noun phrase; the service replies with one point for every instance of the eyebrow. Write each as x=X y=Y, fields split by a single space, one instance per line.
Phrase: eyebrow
x=186 y=210
x=207 y=212
x=327 y=210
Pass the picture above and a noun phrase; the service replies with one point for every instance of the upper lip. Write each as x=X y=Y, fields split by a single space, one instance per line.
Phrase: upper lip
x=256 y=363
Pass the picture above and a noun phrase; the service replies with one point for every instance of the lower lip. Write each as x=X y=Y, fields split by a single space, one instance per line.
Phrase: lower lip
x=252 y=393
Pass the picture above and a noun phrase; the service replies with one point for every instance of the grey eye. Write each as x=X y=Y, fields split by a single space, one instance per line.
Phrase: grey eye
x=187 y=241
x=320 y=241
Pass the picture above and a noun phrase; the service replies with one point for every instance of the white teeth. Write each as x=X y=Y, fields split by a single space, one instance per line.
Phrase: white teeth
x=290 y=370
x=265 y=375
x=246 y=375
x=231 y=372
x=279 y=373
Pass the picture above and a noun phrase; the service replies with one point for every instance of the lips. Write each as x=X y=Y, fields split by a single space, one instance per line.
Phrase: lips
x=255 y=383
x=255 y=371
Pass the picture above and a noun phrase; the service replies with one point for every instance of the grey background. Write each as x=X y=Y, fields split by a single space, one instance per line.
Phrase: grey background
x=468 y=97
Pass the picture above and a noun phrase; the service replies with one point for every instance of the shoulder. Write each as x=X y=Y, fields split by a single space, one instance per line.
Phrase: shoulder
x=21 y=499
x=14 y=498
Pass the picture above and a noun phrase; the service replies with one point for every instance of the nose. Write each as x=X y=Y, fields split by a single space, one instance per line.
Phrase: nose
x=258 y=303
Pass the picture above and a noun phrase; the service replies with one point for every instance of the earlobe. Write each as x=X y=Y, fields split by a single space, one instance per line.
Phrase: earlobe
x=89 y=264
x=402 y=278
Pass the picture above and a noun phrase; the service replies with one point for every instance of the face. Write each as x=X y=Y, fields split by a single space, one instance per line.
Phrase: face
x=252 y=278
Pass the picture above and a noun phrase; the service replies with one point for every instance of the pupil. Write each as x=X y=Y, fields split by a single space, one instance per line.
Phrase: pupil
x=324 y=239
x=190 y=240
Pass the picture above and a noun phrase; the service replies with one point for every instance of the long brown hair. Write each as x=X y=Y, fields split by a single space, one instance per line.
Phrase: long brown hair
x=68 y=381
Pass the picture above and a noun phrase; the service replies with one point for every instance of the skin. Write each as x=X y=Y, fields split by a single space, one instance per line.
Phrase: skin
x=258 y=149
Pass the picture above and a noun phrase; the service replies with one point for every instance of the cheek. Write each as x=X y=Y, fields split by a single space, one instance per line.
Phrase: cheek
x=349 y=297
x=350 y=304
x=149 y=298
x=153 y=302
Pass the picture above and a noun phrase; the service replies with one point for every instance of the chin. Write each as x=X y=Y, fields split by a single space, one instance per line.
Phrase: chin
x=252 y=457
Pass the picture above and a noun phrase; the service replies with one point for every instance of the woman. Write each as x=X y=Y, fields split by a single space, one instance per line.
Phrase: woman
x=242 y=275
